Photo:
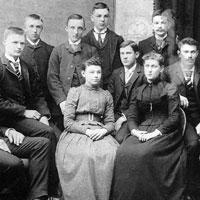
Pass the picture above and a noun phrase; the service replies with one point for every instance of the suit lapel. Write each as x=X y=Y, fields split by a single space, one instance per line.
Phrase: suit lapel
x=196 y=82
x=133 y=78
x=25 y=75
x=6 y=62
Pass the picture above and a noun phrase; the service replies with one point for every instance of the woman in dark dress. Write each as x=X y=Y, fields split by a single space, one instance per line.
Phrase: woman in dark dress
x=150 y=163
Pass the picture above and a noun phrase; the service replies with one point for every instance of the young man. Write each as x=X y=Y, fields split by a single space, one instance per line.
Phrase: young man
x=13 y=179
x=66 y=60
x=186 y=76
x=161 y=42
x=106 y=41
x=123 y=84
x=22 y=103
x=36 y=54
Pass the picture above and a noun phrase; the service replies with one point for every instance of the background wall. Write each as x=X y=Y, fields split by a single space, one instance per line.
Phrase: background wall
x=133 y=18
x=54 y=13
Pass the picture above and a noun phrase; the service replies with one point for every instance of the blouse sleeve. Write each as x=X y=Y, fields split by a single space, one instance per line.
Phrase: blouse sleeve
x=109 y=113
x=171 y=123
x=132 y=114
x=70 y=113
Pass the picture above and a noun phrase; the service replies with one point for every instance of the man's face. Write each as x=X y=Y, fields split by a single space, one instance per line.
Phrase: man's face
x=100 y=18
x=14 y=44
x=128 y=56
x=33 y=29
x=160 y=25
x=188 y=54
x=75 y=29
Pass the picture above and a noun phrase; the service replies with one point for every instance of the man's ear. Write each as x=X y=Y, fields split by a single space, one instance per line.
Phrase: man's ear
x=83 y=73
x=66 y=28
x=92 y=17
x=137 y=54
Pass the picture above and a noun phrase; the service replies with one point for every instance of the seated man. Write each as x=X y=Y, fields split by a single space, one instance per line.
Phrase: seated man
x=123 y=82
x=13 y=180
x=186 y=76
x=22 y=103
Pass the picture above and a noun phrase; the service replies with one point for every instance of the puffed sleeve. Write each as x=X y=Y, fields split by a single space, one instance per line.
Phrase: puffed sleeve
x=132 y=115
x=70 y=112
x=171 y=123
x=109 y=113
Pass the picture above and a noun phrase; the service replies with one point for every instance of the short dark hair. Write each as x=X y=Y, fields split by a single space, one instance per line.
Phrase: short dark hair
x=131 y=43
x=95 y=60
x=35 y=16
x=75 y=16
x=12 y=30
x=189 y=41
x=100 y=5
x=154 y=56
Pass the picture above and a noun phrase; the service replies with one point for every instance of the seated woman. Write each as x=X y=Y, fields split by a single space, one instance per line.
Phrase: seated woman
x=150 y=163
x=86 y=150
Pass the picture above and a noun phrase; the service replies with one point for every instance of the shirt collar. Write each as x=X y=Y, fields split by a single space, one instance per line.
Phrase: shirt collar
x=10 y=58
x=131 y=70
x=33 y=43
x=184 y=69
x=74 y=43
x=161 y=38
x=101 y=32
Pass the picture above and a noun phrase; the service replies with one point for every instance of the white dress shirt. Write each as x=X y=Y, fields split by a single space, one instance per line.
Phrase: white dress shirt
x=12 y=60
x=102 y=34
x=129 y=72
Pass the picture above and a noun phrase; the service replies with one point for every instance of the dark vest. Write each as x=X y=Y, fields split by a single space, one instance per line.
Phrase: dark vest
x=193 y=104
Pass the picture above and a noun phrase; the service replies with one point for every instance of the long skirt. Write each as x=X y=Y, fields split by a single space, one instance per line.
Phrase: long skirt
x=152 y=170
x=85 y=166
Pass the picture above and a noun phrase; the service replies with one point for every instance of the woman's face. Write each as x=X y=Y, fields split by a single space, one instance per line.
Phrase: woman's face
x=92 y=75
x=152 y=69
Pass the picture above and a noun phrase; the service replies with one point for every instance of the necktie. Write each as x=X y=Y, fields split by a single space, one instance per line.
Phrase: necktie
x=100 y=40
x=18 y=73
x=188 y=79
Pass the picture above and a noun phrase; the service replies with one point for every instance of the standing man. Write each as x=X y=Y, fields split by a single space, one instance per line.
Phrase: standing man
x=123 y=84
x=36 y=54
x=186 y=76
x=22 y=103
x=106 y=41
x=66 y=60
x=161 y=42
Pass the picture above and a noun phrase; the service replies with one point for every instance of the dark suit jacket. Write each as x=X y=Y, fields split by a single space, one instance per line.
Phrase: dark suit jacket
x=169 y=50
x=115 y=40
x=62 y=64
x=117 y=84
x=37 y=58
x=176 y=75
x=13 y=100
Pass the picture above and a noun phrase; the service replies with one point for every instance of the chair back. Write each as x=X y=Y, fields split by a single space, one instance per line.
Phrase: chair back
x=182 y=121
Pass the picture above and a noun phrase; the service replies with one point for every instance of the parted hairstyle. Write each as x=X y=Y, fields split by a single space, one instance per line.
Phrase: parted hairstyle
x=189 y=41
x=100 y=5
x=12 y=30
x=95 y=60
x=131 y=43
x=154 y=56
x=75 y=16
x=35 y=16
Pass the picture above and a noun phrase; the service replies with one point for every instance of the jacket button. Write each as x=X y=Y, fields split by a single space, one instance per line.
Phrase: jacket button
x=72 y=66
x=68 y=78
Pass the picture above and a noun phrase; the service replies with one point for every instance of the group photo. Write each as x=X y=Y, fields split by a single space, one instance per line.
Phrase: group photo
x=100 y=100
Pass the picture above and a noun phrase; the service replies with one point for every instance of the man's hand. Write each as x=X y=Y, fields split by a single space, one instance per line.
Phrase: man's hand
x=44 y=120
x=32 y=114
x=15 y=137
x=137 y=133
x=62 y=106
x=184 y=101
x=198 y=129
x=119 y=122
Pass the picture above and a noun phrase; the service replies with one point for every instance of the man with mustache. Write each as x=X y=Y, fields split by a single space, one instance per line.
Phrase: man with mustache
x=186 y=76
x=162 y=41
